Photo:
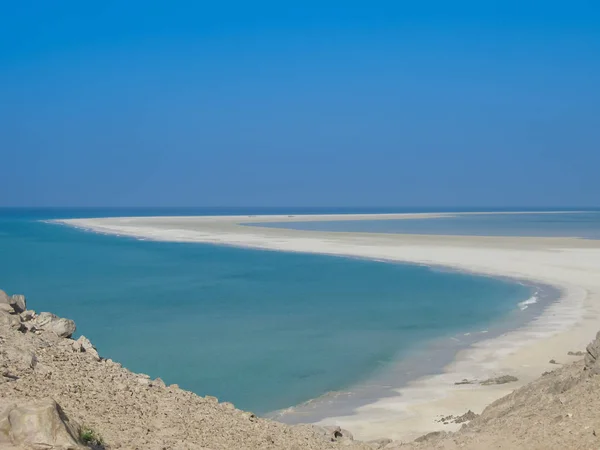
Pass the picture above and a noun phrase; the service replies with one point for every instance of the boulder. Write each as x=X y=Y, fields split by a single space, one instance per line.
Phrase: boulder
x=41 y=424
x=592 y=355
x=18 y=303
x=50 y=322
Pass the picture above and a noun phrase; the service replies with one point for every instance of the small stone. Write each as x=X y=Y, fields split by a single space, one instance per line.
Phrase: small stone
x=552 y=361
x=579 y=353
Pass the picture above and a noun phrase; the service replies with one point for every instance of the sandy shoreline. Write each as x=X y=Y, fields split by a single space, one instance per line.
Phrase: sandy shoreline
x=569 y=264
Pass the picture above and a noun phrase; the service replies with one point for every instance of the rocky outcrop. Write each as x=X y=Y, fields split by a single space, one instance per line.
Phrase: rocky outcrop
x=38 y=425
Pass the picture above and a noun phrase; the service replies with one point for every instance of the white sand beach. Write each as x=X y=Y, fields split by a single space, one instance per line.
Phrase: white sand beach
x=570 y=264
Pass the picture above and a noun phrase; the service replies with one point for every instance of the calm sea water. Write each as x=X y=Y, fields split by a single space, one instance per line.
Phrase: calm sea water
x=264 y=330
x=575 y=224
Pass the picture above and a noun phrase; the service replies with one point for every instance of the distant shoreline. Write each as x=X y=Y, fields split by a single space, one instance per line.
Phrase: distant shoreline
x=565 y=263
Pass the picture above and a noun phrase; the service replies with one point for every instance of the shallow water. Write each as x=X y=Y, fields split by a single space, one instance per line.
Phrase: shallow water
x=574 y=224
x=264 y=330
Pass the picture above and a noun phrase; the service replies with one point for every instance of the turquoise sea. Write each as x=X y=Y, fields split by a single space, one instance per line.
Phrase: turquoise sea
x=264 y=330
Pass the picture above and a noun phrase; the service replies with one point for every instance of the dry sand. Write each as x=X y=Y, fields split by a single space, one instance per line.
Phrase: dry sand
x=570 y=264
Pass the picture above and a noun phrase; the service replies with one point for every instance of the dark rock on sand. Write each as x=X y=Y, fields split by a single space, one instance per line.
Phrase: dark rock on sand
x=500 y=380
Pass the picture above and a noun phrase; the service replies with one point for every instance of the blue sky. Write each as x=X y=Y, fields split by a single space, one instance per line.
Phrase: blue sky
x=308 y=103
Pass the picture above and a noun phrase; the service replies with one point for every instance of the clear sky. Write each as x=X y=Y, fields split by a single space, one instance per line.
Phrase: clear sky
x=308 y=103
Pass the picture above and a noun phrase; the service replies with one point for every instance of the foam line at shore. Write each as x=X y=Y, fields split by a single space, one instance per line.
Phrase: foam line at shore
x=569 y=264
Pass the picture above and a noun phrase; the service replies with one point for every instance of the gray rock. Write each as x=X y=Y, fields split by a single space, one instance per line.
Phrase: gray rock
x=38 y=425
x=578 y=353
x=592 y=355
x=50 y=322
x=18 y=303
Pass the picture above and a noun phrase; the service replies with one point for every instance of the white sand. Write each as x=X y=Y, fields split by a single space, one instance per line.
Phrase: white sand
x=573 y=265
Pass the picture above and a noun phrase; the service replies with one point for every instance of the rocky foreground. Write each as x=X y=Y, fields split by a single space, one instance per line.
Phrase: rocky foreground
x=58 y=393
